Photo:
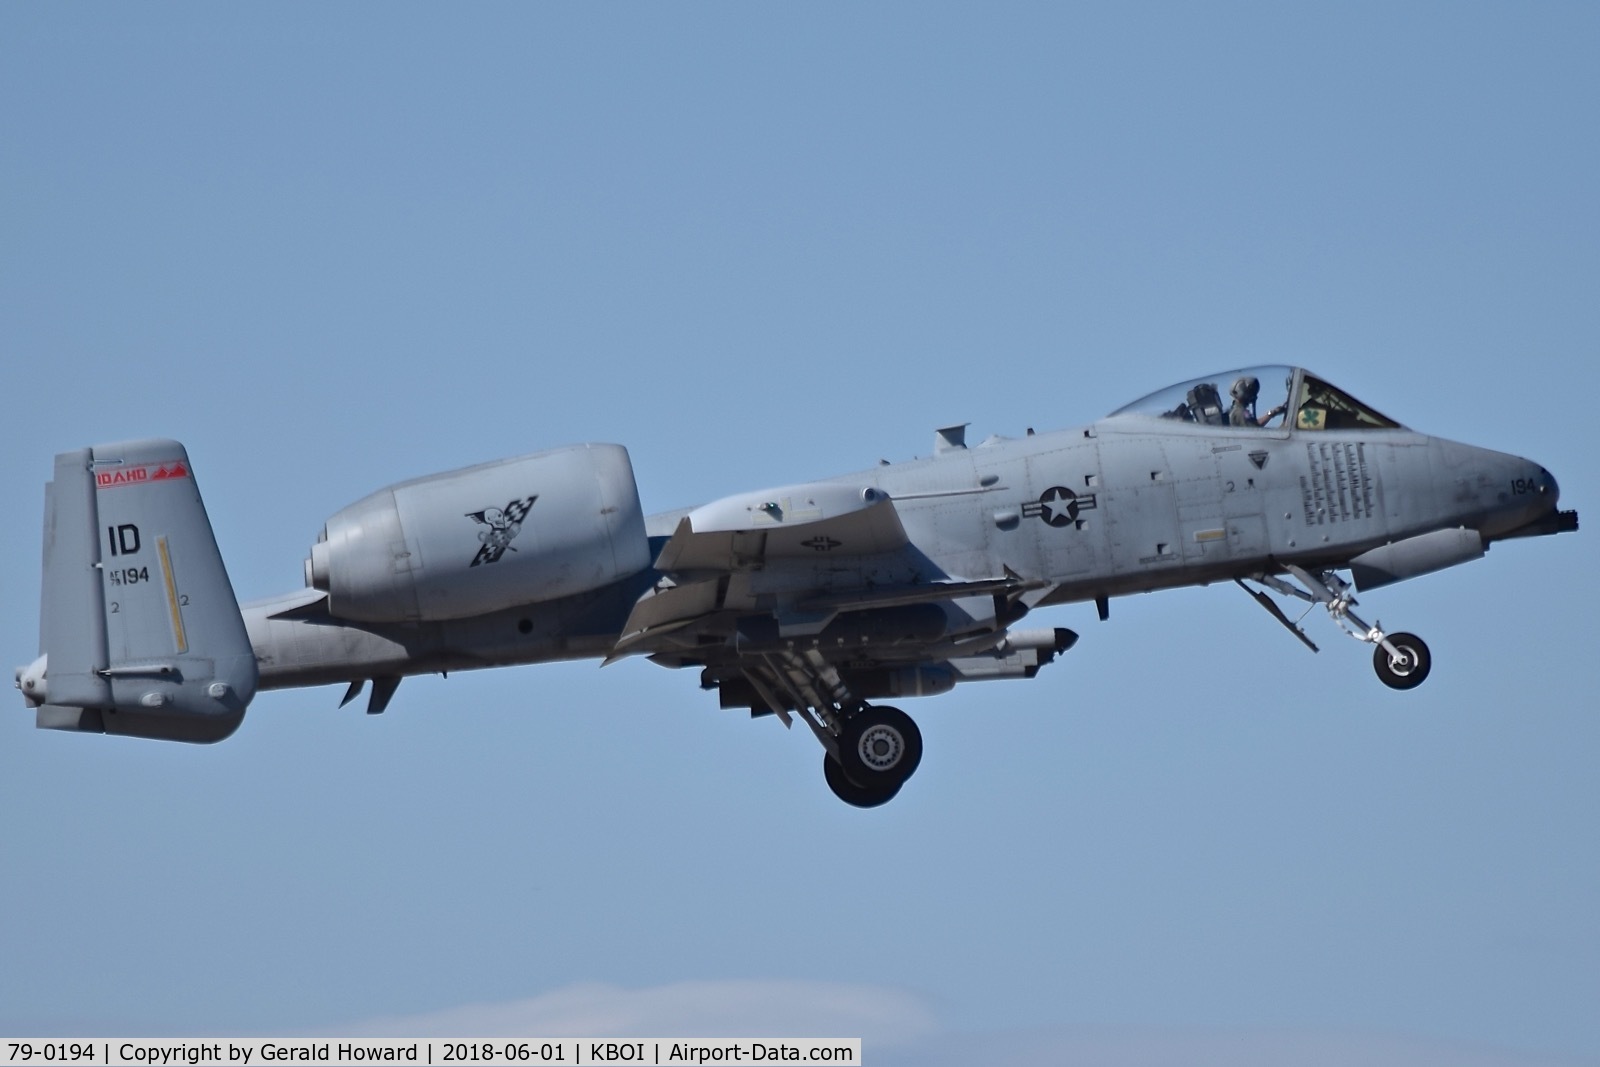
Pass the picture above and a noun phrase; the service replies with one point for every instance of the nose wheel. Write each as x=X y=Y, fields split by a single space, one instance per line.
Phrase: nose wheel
x=1402 y=661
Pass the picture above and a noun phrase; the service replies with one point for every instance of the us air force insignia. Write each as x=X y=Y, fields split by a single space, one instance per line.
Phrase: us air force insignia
x=822 y=544
x=1059 y=506
x=503 y=526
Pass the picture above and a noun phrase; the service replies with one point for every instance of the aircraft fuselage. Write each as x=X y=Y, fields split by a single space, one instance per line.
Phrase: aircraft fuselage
x=1118 y=507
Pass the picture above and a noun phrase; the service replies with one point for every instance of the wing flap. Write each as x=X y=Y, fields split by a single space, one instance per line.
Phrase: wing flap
x=666 y=610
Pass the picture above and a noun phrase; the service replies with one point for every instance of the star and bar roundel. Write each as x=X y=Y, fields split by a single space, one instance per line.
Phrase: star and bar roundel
x=1059 y=506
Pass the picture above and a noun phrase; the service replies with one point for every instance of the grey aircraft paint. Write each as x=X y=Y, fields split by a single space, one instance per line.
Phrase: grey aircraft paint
x=813 y=601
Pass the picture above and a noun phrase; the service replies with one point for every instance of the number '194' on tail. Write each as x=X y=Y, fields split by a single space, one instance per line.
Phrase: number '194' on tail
x=139 y=631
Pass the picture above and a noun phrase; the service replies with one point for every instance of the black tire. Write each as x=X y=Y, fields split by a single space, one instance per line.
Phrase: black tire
x=1409 y=673
x=879 y=746
x=852 y=794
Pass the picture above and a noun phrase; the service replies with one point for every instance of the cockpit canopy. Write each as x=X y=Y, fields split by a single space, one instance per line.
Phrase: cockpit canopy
x=1271 y=397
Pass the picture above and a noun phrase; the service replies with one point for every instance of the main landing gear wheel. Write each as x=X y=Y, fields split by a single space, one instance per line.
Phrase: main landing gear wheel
x=1409 y=669
x=849 y=792
x=879 y=747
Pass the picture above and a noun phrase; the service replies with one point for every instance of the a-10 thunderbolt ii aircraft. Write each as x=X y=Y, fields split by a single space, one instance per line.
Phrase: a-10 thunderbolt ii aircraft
x=811 y=601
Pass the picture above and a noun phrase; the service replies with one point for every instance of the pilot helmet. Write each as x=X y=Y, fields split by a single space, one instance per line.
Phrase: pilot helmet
x=1246 y=389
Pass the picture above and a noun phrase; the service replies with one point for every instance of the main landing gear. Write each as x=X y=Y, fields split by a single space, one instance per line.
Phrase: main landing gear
x=1401 y=660
x=879 y=749
x=871 y=750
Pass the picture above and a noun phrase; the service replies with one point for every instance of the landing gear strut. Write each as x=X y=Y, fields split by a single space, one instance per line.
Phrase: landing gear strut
x=1402 y=660
x=871 y=750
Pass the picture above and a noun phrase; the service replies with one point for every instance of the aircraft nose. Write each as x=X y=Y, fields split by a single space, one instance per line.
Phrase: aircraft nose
x=1548 y=489
x=1512 y=490
x=1536 y=488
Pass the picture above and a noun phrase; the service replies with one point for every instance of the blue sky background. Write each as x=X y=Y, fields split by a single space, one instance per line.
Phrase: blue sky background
x=334 y=247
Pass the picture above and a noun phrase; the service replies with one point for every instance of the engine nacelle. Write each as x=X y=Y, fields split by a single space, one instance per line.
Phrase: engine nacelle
x=517 y=531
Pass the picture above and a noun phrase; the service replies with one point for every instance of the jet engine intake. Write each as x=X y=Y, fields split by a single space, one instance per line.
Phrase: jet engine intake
x=484 y=538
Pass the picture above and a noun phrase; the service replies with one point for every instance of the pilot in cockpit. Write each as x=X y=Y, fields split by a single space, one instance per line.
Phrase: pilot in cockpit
x=1243 y=412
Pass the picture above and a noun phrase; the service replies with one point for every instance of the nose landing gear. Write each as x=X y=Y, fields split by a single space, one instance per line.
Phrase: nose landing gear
x=1401 y=660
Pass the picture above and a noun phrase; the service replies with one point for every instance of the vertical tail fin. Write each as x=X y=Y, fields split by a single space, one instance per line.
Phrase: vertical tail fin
x=139 y=630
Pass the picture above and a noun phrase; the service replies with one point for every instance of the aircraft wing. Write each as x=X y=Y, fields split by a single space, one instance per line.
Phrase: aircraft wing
x=766 y=546
x=795 y=522
x=781 y=587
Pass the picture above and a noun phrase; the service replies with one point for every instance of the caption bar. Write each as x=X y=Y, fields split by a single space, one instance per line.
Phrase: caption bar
x=563 y=1052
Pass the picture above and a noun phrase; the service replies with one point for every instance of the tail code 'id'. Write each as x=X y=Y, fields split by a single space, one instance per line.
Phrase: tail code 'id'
x=139 y=630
